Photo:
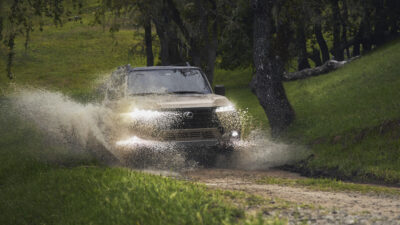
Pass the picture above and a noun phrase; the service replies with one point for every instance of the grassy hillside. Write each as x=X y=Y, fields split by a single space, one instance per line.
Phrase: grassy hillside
x=70 y=58
x=362 y=94
x=349 y=117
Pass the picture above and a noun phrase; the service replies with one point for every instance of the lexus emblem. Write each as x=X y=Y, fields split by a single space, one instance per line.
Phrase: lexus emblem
x=188 y=115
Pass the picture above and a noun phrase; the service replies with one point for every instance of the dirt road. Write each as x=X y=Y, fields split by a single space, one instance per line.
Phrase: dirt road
x=323 y=207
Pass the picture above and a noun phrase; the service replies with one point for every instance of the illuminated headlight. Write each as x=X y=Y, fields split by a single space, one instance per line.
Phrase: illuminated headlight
x=146 y=112
x=131 y=141
x=229 y=108
x=235 y=134
x=135 y=141
x=143 y=114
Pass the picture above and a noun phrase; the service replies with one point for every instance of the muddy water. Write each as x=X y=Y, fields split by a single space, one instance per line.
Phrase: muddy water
x=259 y=152
x=91 y=127
x=96 y=128
x=88 y=128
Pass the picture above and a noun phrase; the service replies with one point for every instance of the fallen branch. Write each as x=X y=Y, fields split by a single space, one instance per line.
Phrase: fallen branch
x=327 y=67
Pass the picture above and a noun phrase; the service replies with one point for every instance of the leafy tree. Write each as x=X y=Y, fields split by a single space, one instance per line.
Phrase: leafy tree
x=236 y=37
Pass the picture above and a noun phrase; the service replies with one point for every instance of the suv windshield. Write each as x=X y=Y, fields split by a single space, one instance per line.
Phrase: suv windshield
x=167 y=81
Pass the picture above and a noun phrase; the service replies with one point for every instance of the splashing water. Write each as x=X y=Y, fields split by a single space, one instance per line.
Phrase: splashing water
x=90 y=128
x=94 y=128
x=61 y=119
x=259 y=152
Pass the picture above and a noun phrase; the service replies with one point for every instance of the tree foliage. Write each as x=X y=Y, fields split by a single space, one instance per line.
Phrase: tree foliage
x=21 y=17
x=312 y=30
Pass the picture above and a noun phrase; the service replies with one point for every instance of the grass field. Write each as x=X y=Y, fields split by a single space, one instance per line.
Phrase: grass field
x=350 y=117
x=70 y=58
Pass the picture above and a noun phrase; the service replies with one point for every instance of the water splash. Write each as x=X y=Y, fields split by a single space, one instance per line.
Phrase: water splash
x=91 y=128
x=259 y=152
x=96 y=128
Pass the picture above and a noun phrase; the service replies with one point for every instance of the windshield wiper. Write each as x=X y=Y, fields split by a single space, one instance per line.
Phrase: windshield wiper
x=187 y=92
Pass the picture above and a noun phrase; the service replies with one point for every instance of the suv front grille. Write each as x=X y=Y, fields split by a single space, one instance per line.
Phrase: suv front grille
x=202 y=118
x=190 y=135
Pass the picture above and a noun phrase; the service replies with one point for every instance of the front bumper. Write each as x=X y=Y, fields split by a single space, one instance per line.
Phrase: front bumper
x=187 y=138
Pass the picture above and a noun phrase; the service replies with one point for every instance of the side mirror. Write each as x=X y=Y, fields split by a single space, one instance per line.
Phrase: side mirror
x=219 y=90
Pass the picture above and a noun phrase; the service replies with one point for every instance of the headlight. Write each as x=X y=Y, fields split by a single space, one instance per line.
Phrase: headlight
x=228 y=108
x=235 y=134
x=143 y=114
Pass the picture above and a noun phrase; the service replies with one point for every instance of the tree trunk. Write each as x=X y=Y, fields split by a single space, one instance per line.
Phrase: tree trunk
x=168 y=34
x=212 y=45
x=164 y=56
x=302 y=47
x=148 y=43
x=10 y=55
x=315 y=56
x=27 y=37
x=195 y=53
x=394 y=16
x=198 y=34
x=366 y=40
x=381 y=25
x=1 y=27
x=366 y=34
x=321 y=42
x=1 y=21
x=337 y=51
x=268 y=77
x=345 y=25
x=169 y=44
x=358 y=40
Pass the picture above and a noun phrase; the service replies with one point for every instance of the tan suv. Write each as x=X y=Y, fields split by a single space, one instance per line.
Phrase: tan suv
x=173 y=104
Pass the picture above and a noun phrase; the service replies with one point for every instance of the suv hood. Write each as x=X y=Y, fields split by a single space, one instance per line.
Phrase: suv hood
x=174 y=101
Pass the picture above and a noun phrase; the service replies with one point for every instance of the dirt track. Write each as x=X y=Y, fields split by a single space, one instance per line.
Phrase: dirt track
x=329 y=207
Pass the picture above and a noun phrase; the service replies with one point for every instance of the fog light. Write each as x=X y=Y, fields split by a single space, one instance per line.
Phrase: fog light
x=235 y=133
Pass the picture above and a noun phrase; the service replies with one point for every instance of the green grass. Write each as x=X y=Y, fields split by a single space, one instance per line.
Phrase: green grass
x=97 y=195
x=345 y=110
x=374 y=158
x=324 y=184
x=69 y=58
x=340 y=114
x=362 y=94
